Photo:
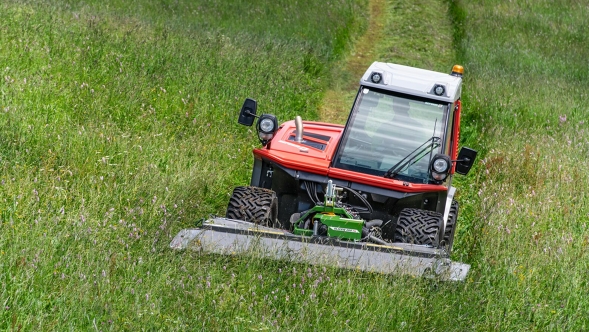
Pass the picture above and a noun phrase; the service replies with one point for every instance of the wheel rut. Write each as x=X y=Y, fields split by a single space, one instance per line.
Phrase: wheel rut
x=337 y=100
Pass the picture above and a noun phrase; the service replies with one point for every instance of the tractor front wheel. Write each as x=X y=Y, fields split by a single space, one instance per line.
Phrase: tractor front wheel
x=254 y=204
x=418 y=226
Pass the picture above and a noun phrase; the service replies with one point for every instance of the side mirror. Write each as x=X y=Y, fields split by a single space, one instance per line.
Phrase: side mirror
x=248 y=112
x=466 y=158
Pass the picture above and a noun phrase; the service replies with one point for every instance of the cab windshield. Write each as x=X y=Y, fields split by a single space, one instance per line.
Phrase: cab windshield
x=384 y=129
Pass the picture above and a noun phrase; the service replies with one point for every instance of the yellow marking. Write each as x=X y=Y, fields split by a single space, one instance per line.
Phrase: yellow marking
x=263 y=231
x=383 y=246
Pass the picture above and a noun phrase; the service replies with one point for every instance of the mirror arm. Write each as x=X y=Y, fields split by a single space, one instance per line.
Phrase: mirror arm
x=247 y=112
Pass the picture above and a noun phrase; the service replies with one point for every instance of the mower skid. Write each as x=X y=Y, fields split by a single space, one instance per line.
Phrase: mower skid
x=228 y=236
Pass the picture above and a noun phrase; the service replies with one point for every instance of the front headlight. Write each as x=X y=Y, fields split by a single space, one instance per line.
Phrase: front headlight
x=440 y=167
x=267 y=126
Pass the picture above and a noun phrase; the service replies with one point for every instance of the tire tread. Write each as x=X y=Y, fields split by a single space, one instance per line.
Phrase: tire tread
x=253 y=204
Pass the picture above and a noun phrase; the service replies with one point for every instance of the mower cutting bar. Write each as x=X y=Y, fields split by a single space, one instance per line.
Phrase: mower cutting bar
x=227 y=236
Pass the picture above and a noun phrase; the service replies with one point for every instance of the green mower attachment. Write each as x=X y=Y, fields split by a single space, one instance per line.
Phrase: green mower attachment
x=330 y=220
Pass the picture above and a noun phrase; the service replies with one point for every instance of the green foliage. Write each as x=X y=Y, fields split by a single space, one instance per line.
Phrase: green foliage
x=524 y=224
x=117 y=129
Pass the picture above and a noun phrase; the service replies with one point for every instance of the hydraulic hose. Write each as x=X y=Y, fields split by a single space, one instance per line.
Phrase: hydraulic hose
x=357 y=194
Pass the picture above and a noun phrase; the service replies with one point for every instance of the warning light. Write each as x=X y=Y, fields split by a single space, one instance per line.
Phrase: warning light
x=457 y=70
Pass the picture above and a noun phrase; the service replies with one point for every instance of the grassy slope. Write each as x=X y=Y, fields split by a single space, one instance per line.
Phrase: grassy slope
x=525 y=104
x=118 y=128
x=106 y=131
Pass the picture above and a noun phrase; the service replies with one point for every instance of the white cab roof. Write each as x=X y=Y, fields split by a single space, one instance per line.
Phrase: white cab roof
x=413 y=81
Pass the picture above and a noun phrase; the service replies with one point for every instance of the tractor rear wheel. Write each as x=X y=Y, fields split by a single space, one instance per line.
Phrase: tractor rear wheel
x=254 y=204
x=451 y=226
x=418 y=226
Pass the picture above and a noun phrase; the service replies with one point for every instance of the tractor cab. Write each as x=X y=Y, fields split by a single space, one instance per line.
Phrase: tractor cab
x=404 y=124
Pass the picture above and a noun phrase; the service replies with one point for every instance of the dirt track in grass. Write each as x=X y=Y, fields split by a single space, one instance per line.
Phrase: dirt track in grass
x=338 y=99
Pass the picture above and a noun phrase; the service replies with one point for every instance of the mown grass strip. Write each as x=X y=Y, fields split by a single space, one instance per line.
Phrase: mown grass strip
x=416 y=33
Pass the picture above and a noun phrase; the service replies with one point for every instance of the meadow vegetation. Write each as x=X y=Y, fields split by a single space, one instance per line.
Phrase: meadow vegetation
x=118 y=128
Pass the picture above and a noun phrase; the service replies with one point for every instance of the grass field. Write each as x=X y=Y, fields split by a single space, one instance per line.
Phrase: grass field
x=117 y=129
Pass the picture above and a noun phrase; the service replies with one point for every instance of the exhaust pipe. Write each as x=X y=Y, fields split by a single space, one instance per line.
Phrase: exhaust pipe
x=299 y=133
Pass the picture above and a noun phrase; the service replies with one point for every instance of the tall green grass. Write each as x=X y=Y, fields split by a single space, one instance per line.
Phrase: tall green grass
x=526 y=236
x=117 y=129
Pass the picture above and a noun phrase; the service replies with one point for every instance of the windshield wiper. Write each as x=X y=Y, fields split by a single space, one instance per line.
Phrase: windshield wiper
x=432 y=143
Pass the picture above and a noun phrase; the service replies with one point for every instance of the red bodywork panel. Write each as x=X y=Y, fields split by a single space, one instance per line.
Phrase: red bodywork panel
x=308 y=158
x=455 y=134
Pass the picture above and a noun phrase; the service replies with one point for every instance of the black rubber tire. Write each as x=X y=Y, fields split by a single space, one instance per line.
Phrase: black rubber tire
x=418 y=226
x=450 y=226
x=254 y=204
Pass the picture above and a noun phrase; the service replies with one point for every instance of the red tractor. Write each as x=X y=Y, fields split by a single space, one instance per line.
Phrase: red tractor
x=374 y=194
